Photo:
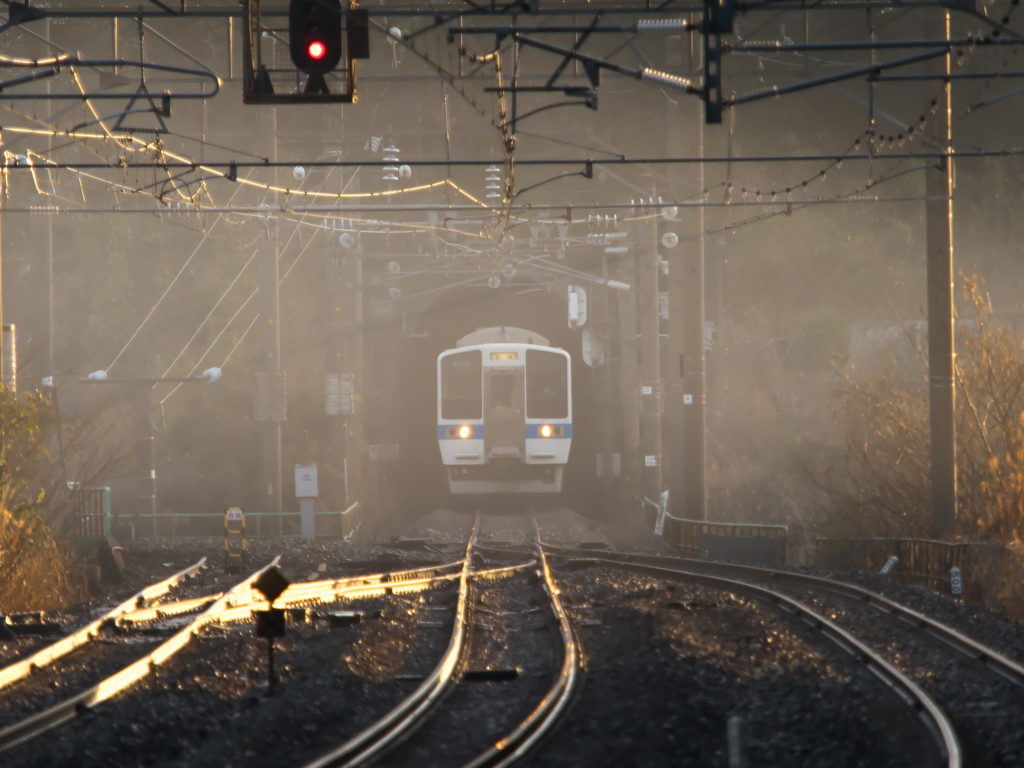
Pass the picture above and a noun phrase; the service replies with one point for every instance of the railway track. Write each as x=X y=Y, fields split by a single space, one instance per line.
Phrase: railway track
x=944 y=745
x=881 y=648
x=981 y=688
x=464 y=619
x=37 y=724
x=235 y=605
x=137 y=602
x=398 y=725
x=543 y=719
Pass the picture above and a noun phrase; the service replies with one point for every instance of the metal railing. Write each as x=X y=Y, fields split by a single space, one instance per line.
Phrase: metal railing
x=919 y=561
x=327 y=524
x=740 y=542
x=90 y=512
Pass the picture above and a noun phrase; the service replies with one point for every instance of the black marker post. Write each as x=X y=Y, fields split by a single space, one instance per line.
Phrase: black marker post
x=270 y=623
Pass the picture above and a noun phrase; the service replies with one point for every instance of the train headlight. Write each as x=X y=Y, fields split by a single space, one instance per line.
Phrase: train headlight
x=546 y=430
x=465 y=431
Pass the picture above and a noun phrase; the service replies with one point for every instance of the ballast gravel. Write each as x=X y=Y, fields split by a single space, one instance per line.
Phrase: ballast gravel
x=667 y=665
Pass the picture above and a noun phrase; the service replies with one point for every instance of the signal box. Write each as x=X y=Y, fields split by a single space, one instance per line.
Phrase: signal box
x=303 y=51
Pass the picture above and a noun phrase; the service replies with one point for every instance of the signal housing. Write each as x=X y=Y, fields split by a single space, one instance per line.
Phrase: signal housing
x=310 y=22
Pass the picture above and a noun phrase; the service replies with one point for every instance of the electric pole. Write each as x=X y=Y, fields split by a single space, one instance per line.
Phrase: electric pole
x=939 y=236
x=650 y=458
x=271 y=395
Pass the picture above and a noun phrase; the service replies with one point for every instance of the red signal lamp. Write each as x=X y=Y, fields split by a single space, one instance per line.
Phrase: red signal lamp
x=315 y=39
x=316 y=50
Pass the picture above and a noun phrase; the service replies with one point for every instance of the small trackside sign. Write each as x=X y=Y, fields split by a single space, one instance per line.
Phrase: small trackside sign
x=233 y=514
x=955 y=582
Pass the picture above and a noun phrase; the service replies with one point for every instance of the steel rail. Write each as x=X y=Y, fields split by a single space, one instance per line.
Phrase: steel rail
x=164 y=611
x=542 y=719
x=296 y=593
x=995 y=662
x=67 y=710
x=324 y=591
x=372 y=741
x=243 y=612
x=930 y=714
x=20 y=669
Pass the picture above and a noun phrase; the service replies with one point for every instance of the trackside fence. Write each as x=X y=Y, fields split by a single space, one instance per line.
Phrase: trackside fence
x=329 y=524
x=732 y=542
x=919 y=561
x=90 y=513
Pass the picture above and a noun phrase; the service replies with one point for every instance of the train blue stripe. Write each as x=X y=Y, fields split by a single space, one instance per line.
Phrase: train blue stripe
x=442 y=432
x=533 y=430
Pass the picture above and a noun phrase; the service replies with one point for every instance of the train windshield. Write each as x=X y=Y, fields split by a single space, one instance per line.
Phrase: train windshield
x=461 y=385
x=547 y=385
x=503 y=390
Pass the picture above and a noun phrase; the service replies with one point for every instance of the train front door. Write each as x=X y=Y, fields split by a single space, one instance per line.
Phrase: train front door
x=504 y=430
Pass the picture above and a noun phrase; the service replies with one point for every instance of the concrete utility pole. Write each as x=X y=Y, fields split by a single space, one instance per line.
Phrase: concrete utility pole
x=628 y=380
x=40 y=315
x=650 y=458
x=336 y=411
x=271 y=395
x=601 y=328
x=352 y=267
x=40 y=326
x=144 y=517
x=685 y=375
x=688 y=288
x=939 y=229
x=3 y=373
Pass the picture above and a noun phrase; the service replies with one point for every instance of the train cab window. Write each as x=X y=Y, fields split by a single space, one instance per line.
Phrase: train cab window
x=461 y=383
x=547 y=385
x=504 y=387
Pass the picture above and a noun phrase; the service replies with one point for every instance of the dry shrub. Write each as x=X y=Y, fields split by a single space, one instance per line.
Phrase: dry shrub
x=878 y=485
x=36 y=550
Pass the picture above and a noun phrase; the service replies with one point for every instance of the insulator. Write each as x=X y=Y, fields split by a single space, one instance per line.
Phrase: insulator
x=617 y=285
x=648 y=25
x=664 y=78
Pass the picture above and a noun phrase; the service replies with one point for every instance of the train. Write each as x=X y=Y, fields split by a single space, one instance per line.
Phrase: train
x=504 y=412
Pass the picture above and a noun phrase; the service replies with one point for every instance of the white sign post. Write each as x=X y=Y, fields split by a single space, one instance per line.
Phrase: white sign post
x=955 y=582
x=306 y=491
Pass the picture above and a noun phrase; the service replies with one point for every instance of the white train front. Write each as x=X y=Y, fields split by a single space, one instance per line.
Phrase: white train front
x=504 y=412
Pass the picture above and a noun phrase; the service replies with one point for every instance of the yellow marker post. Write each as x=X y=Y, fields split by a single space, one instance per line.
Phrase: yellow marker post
x=234 y=526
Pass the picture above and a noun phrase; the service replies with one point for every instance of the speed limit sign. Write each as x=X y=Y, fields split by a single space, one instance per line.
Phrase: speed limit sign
x=955 y=583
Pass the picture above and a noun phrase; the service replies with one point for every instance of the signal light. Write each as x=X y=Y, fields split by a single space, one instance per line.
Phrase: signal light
x=316 y=50
x=314 y=37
